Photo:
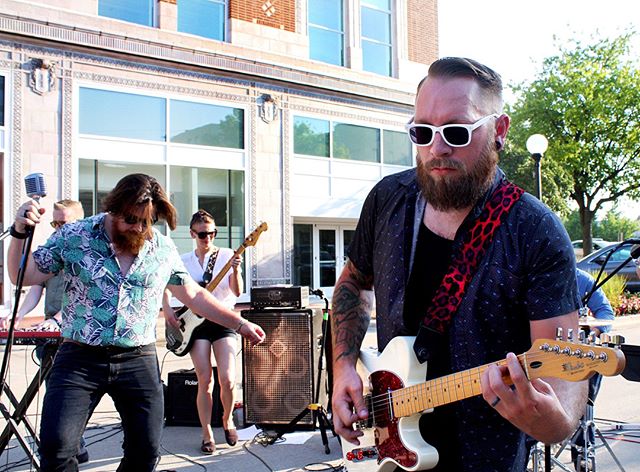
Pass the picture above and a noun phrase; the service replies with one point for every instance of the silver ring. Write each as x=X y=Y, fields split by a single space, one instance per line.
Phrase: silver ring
x=495 y=402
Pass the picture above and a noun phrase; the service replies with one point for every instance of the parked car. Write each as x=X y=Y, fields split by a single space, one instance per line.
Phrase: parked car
x=594 y=261
x=597 y=243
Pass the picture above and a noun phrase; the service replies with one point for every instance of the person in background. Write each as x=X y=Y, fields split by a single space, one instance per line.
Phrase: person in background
x=467 y=304
x=64 y=211
x=203 y=264
x=116 y=266
x=598 y=307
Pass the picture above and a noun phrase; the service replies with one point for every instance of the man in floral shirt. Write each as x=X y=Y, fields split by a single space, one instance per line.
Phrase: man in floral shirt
x=115 y=267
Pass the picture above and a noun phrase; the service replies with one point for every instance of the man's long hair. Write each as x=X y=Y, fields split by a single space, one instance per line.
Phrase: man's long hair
x=143 y=196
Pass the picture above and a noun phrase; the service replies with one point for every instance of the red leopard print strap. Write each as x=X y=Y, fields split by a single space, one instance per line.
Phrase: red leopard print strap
x=474 y=246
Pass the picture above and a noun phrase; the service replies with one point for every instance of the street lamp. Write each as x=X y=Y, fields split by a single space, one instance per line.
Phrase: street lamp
x=536 y=145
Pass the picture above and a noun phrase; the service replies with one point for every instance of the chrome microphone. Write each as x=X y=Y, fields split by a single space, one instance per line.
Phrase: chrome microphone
x=36 y=188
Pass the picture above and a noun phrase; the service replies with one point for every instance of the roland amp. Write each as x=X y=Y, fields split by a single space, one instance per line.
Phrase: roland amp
x=279 y=297
x=280 y=375
x=180 y=399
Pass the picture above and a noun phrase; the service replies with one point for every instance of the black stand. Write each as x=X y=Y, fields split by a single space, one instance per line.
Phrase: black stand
x=19 y=414
x=20 y=407
x=318 y=413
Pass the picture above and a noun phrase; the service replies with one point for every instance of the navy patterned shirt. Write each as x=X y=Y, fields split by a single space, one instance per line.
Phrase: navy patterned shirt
x=528 y=273
x=100 y=305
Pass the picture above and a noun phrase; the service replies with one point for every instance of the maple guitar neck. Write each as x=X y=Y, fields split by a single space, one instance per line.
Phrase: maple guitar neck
x=544 y=359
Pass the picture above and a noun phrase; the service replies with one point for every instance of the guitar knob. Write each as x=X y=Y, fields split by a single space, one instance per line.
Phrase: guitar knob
x=570 y=335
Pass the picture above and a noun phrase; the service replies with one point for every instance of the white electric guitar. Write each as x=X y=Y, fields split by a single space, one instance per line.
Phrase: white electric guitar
x=179 y=340
x=398 y=395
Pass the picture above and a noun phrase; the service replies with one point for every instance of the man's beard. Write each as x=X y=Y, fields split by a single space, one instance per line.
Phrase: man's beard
x=130 y=241
x=462 y=190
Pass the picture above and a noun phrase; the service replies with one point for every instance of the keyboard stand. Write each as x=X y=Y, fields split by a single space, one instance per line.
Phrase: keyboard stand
x=20 y=408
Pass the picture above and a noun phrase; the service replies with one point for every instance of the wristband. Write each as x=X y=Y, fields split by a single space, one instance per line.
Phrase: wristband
x=15 y=233
x=242 y=323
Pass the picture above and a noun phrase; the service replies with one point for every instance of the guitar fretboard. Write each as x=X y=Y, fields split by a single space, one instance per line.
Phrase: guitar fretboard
x=441 y=391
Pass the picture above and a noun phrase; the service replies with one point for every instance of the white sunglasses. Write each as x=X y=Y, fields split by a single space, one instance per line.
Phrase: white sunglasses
x=455 y=135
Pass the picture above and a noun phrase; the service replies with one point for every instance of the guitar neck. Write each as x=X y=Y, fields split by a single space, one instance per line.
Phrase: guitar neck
x=218 y=278
x=442 y=391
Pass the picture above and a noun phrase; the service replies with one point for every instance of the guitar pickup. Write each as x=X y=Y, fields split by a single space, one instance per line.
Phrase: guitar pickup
x=361 y=454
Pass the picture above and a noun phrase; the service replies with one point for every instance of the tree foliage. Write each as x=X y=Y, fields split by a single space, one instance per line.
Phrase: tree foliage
x=613 y=227
x=586 y=101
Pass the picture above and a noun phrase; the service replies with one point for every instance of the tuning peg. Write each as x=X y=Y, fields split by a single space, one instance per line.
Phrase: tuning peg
x=570 y=335
x=582 y=337
x=559 y=333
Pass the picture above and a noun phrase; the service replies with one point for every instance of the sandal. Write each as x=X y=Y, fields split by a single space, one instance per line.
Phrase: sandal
x=231 y=435
x=208 y=447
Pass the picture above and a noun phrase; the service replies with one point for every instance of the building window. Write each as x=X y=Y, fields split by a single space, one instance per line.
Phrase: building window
x=375 y=18
x=196 y=155
x=206 y=125
x=133 y=11
x=320 y=254
x=397 y=148
x=324 y=138
x=326 y=31
x=311 y=137
x=356 y=143
x=202 y=17
x=122 y=115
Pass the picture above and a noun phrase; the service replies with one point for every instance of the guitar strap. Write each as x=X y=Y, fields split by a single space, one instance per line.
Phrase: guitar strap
x=463 y=267
x=208 y=272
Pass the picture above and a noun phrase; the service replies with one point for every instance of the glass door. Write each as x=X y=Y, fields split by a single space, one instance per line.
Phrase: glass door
x=320 y=253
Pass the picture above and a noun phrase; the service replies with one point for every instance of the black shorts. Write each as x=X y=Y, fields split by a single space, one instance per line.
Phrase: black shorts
x=212 y=331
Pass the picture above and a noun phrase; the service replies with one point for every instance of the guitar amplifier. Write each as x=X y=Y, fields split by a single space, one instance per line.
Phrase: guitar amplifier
x=180 y=399
x=280 y=376
x=279 y=297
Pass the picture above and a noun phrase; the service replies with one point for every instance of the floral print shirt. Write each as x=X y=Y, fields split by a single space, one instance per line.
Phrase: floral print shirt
x=101 y=306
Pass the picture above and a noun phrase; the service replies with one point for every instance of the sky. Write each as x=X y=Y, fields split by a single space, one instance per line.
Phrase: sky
x=514 y=36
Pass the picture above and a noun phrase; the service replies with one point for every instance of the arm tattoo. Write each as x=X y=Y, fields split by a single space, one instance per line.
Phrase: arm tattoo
x=351 y=310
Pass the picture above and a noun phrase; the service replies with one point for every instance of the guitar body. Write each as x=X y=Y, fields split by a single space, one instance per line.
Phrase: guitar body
x=180 y=340
x=392 y=441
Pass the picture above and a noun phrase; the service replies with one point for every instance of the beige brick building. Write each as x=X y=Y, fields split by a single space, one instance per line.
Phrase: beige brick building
x=284 y=111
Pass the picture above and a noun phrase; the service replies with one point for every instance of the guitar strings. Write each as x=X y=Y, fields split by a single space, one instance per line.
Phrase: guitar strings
x=381 y=404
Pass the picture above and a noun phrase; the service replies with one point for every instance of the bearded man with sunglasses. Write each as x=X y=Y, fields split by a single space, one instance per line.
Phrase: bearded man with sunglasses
x=116 y=267
x=471 y=266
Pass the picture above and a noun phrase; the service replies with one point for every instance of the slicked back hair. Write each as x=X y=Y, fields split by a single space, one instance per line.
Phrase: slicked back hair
x=461 y=67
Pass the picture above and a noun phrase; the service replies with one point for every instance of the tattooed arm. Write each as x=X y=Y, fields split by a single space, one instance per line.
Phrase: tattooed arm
x=351 y=307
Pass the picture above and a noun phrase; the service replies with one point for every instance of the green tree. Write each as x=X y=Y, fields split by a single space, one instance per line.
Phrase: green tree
x=614 y=227
x=586 y=101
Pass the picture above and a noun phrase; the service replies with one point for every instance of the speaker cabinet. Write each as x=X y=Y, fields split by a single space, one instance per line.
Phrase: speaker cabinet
x=180 y=401
x=280 y=374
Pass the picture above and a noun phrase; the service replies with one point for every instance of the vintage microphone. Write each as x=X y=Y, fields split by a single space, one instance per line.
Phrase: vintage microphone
x=36 y=189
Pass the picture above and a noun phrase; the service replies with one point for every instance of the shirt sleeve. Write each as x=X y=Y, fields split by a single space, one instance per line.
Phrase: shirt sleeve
x=49 y=256
x=551 y=277
x=598 y=302
x=179 y=274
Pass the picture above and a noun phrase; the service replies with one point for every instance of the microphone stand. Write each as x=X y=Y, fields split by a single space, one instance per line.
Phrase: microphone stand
x=597 y=282
x=26 y=250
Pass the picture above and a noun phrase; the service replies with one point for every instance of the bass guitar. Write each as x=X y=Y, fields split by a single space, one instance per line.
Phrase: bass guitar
x=398 y=395
x=179 y=340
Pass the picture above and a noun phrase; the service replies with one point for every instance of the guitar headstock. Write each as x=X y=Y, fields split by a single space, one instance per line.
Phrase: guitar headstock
x=252 y=239
x=571 y=361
